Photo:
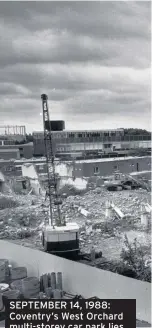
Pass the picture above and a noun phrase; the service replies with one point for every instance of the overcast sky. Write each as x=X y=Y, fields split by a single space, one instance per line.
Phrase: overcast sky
x=91 y=58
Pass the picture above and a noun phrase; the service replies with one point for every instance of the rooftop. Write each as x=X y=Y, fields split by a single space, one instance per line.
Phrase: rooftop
x=7 y=150
x=112 y=159
x=96 y=130
x=94 y=160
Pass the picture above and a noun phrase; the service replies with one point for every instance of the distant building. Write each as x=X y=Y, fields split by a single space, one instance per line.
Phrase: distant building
x=16 y=151
x=81 y=168
x=9 y=153
x=107 y=166
x=85 y=143
x=13 y=143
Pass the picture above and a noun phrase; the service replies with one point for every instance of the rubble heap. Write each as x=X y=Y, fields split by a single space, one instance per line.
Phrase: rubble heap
x=23 y=221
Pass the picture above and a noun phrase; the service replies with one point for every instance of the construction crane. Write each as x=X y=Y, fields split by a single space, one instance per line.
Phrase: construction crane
x=54 y=201
x=58 y=237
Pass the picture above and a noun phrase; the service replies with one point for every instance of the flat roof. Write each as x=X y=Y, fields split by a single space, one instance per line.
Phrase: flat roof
x=9 y=150
x=94 y=160
x=81 y=131
x=111 y=159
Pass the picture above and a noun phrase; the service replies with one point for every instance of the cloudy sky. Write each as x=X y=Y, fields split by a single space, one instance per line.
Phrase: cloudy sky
x=91 y=58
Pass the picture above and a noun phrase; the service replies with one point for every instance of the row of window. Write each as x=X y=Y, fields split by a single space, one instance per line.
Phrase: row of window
x=94 y=134
x=85 y=134
x=96 y=169
x=107 y=146
x=6 y=142
x=116 y=167
x=40 y=140
x=19 y=168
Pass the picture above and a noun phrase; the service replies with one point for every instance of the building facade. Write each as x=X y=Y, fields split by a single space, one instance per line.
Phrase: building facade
x=11 y=150
x=9 y=153
x=82 y=143
x=107 y=166
x=81 y=168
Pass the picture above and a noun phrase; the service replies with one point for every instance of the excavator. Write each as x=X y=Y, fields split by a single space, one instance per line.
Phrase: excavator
x=121 y=181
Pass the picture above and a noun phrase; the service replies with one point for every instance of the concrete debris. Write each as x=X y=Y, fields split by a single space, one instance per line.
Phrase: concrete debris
x=8 y=202
x=23 y=221
x=117 y=211
x=84 y=212
x=148 y=208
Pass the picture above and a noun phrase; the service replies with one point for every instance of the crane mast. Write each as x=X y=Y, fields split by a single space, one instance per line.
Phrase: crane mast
x=58 y=237
x=54 y=201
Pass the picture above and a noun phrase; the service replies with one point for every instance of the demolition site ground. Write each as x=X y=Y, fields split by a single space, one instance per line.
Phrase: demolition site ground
x=22 y=217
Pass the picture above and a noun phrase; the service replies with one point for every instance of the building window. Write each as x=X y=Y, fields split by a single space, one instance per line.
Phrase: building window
x=106 y=134
x=18 y=168
x=71 y=135
x=8 y=142
x=113 y=134
x=107 y=146
x=41 y=167
x=9 y=169
x=96 y=170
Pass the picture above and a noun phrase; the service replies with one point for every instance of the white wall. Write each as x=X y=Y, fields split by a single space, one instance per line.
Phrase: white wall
x=2 y=178
x=81 y=279
x=64 y=170
x=78 y=183
x=28 y=170
x=35 y=185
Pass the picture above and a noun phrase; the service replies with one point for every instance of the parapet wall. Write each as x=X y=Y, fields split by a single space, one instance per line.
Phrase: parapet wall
x=82 y=279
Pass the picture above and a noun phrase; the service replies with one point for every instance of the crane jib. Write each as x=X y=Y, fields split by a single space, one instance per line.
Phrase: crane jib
x=54 y=200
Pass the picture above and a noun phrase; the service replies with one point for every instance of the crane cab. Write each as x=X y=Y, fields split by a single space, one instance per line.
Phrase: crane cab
x=62 y=240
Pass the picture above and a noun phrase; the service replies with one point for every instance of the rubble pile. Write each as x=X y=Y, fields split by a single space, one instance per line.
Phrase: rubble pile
x=96 y=230
x=23 y=221
x=7 y=202
x=94 y=202
x=73 y=186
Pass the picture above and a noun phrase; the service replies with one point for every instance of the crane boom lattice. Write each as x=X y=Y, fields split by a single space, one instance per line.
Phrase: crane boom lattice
x=54 y=201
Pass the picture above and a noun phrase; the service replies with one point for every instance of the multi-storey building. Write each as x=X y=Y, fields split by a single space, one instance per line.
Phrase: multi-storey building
x=83 y=143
